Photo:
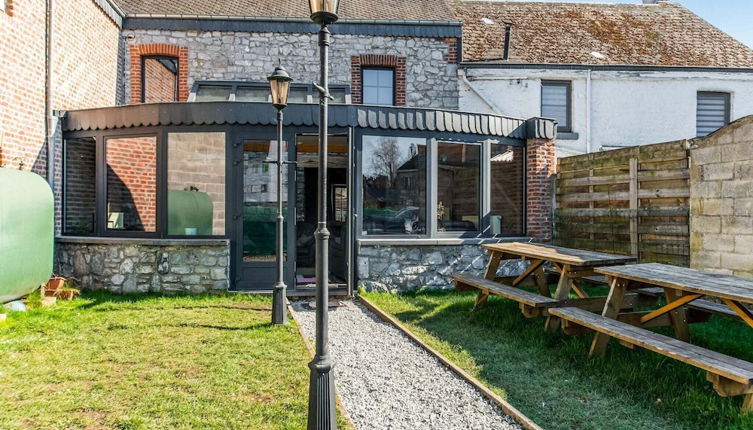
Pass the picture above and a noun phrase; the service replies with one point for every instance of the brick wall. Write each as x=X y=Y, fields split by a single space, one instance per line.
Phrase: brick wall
x=76 y=54
x=132 y=181
x=541 y=164
x=721 y=205
x=137 y=52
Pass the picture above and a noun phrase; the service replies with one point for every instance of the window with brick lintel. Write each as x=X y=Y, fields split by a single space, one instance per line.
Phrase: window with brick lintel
x=374 y=76
x=159 y=73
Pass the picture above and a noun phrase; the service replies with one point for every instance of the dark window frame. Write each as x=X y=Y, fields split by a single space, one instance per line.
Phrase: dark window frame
x=176 y=91
x=568 y=127
x=258 y=84
x=394 y=83
x=727 y=107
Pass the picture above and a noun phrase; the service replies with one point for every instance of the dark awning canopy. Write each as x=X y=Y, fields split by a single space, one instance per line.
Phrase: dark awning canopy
x=373 y=117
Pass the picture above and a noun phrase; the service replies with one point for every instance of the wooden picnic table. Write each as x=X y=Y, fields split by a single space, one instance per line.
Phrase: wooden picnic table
x=682 y=287
x=571 y=264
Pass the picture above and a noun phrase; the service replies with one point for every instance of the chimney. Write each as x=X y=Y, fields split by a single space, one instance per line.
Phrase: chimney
x=508 y=37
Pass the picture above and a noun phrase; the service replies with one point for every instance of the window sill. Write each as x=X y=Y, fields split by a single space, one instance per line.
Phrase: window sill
x=140 y=241
x=567 y=135
x=448 y=241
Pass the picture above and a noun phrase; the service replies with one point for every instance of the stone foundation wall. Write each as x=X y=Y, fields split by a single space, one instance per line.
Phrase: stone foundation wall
x=402 y=268
x=128 y=267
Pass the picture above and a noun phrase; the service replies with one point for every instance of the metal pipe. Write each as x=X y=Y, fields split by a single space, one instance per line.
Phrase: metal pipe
x=48 y=120
x=279 y=313
x=508 y=35
x=322 y=415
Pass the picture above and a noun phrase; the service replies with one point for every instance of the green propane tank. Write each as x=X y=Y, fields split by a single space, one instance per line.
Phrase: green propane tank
x=26 y=233
x=189 y=213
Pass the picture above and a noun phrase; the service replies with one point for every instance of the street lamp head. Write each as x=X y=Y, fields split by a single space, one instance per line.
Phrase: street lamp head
x=279 y=83
x=324 y=12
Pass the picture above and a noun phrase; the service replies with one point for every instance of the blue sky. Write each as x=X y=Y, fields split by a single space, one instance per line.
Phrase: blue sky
x=735 y=17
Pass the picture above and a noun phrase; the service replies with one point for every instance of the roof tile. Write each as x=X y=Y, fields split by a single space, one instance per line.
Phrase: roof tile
x=664 y=34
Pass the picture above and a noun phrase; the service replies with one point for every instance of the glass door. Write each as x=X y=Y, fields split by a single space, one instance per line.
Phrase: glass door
x=258 y=214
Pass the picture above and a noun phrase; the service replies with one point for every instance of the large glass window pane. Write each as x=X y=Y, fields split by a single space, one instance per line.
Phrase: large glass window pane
x=260 y=199
x=394 y=185
x=79 y=186
x=160 y=75
x=196 y=184
x=378 y=86
x=132 y=184
x=458 y=187
x=213 y=93
x=507 y=190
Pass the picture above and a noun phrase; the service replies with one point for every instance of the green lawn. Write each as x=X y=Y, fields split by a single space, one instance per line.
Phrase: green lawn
x=549 y=377
x=150 y=362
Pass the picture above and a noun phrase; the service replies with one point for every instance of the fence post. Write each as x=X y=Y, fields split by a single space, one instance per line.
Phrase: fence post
x=634 y=207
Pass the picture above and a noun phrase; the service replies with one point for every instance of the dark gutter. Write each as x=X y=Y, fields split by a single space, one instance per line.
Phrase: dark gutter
x=603 y=67
x=409 y=28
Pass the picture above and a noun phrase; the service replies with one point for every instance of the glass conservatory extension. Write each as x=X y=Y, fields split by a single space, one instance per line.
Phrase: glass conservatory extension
x=183 y=175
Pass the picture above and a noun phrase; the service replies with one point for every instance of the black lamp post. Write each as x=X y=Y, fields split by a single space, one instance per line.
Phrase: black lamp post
x=322 y=384
x=279 y=83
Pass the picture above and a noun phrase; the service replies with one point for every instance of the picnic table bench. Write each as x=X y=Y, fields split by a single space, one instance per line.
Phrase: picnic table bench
x=682 y=287
x=570 y=264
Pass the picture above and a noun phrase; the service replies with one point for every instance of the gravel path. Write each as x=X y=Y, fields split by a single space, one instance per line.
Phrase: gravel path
x=387 y=382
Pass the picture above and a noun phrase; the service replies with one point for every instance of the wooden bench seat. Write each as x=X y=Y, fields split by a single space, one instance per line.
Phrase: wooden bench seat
x=730 y=376
x=513 y=293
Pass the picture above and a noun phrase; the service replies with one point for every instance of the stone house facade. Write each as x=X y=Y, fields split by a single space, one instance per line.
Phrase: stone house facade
x=174 y=74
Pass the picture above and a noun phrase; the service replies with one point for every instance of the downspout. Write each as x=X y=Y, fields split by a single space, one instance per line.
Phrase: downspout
x=489 y=103
x=588 y=111
x=48 y=118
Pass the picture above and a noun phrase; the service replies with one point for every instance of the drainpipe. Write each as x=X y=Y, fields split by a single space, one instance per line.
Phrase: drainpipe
x=48 y=119
x=588 y=111
x=489 y=103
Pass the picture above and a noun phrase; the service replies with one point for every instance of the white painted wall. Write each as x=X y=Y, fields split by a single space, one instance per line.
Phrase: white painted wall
x=626 y=109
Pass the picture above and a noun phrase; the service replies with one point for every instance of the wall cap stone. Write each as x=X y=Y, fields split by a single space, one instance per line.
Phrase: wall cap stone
x=439 y=241
x=141 y=241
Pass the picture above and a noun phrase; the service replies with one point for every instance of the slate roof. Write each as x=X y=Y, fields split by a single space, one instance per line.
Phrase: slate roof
x=420 y=10
x=664 y=34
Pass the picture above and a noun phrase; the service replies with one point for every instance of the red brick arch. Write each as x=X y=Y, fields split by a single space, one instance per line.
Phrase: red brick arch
x=376 y=60
x=179 y=52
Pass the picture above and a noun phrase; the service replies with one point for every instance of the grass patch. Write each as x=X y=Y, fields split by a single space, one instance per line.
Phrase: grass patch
x=549 y=377
x=152 y=362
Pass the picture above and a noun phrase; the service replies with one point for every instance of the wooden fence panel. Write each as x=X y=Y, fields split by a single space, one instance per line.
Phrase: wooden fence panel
x=627 y=201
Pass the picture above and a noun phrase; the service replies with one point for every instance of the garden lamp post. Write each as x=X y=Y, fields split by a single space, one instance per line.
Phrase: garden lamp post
x=322 y=383
x=279 y=83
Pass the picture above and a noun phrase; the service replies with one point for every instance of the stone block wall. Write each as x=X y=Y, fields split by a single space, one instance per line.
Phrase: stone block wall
x=721 y=204
x=430 y=69
x=403 y=268
x=134 y=266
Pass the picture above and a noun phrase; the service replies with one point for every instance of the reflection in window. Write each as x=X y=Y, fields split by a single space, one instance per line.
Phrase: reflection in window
x=196 y=184
x=79 y=186
x=253 y=94
x=458 y=187
x=507 y=190
x=394 y=185
x=160 y=75
x=340 y=203
x=213 y=93
x=260 y=199
x=132 y=184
